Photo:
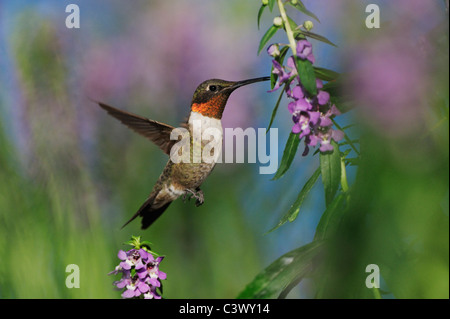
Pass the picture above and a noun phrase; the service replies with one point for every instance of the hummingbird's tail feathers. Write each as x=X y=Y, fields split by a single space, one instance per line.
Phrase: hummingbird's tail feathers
x=148 y=213
x=157 y=132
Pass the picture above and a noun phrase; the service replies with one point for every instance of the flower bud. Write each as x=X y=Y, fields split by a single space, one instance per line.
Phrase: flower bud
x=273 y=50
x=277 y=21
x=294 y=2
x=308 y=25
x=265 y=2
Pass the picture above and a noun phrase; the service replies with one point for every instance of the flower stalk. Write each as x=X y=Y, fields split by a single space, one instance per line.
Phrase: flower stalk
x=287 y=27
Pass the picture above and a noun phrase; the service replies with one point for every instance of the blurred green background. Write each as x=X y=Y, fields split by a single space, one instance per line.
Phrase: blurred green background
x=70 y=175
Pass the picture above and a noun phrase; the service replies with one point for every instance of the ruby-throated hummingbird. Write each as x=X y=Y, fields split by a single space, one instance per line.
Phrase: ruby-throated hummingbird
x=181 y=178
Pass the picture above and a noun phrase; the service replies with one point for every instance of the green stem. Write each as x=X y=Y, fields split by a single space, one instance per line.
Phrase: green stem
x=349 y=141
x=376 y=293
x=287 y=27
x=344 y=182
x=274 y=112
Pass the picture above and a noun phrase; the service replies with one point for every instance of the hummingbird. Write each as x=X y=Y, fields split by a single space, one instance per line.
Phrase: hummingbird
x=181 y=179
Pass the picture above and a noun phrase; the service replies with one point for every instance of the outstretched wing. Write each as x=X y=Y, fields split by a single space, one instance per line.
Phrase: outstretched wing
x=158 y=133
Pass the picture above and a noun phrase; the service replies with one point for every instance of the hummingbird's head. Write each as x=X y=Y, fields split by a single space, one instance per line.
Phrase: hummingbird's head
x=211 y=96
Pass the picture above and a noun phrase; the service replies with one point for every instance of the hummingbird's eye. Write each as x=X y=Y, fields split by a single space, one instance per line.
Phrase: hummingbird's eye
x=213 y=88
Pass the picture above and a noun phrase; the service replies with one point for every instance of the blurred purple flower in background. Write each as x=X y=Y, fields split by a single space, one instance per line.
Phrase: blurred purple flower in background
x=389 y=85
x=391 y=77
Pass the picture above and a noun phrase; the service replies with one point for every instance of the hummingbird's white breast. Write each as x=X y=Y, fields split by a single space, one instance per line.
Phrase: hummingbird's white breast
x=207 y=134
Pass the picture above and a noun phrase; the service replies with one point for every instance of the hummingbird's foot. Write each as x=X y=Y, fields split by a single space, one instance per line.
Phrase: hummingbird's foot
x=200 y=198
x=197 y=194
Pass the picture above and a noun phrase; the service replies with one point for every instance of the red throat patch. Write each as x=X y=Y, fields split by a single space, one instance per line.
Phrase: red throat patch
x=213 y=108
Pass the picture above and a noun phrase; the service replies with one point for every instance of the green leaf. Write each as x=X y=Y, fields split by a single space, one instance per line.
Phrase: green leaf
x=271 y=4
x=330 y=166
x=267 y=36
x=313 y=36
x=288 y=155
x=301 y=7
x=334 y=87
x=330 y=217
x=343 y=104
x=292 y=23
x=273 y=79
x=146 y=243
x=318 y=37
x=292 y=214
x=277 y=276
x=307 y=75
x=325 y=74
x=354 y=161
x=282 y=55
x=275 y=109
x=260 y=12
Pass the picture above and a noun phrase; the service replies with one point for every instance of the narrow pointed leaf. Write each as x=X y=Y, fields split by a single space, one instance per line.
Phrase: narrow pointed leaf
x=266 y=37
x=271 y=4
x=330 y=166
x=283 y=52
x=260 y=12
x=283 y=271
x=293 y=211
x=330 y=218
x=288 y=155
x=301 y=7
x=325 y=74
x=314 y=36
x=292 y=23
x=273 y=78
x=275 y=109
x=343 y=101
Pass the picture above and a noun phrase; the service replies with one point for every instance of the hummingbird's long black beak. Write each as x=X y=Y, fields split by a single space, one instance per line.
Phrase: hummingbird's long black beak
x=238 y=84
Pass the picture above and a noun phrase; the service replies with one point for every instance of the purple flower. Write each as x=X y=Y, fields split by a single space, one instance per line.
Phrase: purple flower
x=304 y=51
x=124 y=281
x=306 y=121
x=296 y=93
x=290 y=63
x=323 y=97
x=152 y=294
x=325 y=118
x=324 y=138
x=129 y=293
x=283 y=76
x=312 y=114
x=140 y=272
x=319 y=84
x=151 y=272
x=130 y=258
x=299 y=106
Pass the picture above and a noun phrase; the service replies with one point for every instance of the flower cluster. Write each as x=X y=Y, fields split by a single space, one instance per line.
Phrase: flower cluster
x=311 y=114
x=140 y=273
